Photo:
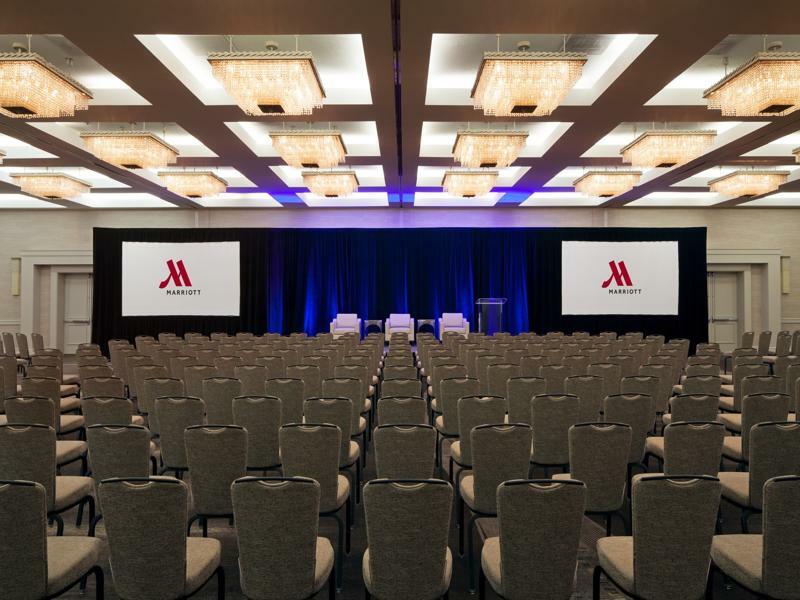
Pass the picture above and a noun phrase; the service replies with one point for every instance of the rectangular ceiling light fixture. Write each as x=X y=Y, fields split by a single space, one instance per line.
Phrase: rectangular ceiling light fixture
x=331 y=184
x=309 y=149
x=488 y=149
x=52 y=186
x=469 y=184
x=130 y=149
x=193 y=184
x=666 y=148
x=748 y=183
x=606 y=184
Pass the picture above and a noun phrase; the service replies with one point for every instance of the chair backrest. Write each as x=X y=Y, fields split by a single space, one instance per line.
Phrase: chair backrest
x=648 y=386
x=554 y=377
x=312 y=450
x=33 y=409
x=702 y=369
x=739 y=373
x=764 y=339
x=261 y=417
x=474 y=411
x=710 y=385
x=28 y=452
x=106 y=410
x=396 y=371
x=43 y=387
x=193 y=376
x=226 y=365
x=147 y=562
x=44 y=371
x=775 y=451
x=350 y=388
x=589 y=390
x=275 y=365
x=673 y=561
x=159 y=387
x=405 y=451
x=762 y=384
x=311 y=376
x=520 y=392
x=611 y=375
x=498 y=375
x=253 y=379
x=781 y=553
x=635 y=410
x=394 y=410
x=762 y=408
x=531 y=364
x=694 y=407
x=598 y=456
x=217 y=456
x=540 y=526
x=142 y=372
x=118 y=451
x=175 y=414
x=277 y=524
x=693 y=447
x=291 y=391
x=551 y=416
x=8 y=366
x=337 y=411
x=89 y=371
x=499 y=453
x=408 y=524
x=218 y=394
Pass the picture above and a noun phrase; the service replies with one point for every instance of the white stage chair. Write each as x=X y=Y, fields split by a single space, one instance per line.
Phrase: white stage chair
x=399 y=323
x=345 y=323
x=453 y=322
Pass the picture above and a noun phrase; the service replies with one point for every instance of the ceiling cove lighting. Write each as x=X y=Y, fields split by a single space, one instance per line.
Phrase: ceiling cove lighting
x=271 y=82
x=331 y=184
x=525 y=83
x=486 y=148
x=768 y=84
x=31 y=88
x=193 y=184
x=50 y=185
x=748 y=183
x=666 y=148
x=309 y=149
x=130 y=149
x=605 y=184
x=469 y=184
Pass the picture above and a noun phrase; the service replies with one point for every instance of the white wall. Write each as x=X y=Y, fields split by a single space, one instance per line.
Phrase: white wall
x=735 y=228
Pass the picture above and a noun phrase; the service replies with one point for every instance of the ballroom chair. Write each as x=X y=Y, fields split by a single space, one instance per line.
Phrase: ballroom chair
x=688 y=447
x=175 y=414
x=520 y=392
x=261 y=418
x=453 y=322
x=405 y=451
x=291 y=392
x=399 y=323
x=345 y=323
x=393 y=410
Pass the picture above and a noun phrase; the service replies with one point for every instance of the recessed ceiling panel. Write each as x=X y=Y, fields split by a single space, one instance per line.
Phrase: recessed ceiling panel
x=368 y=175
x=8 y=201
x=438 y=137
x=433 y=176
x=360 y=137
x=356 y=200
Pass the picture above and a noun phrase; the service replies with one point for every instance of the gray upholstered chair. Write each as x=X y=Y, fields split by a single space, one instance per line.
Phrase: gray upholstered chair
x=756 y=408
x=103 y=385
x=216 y=456
x=143 y=372
x=275 y=366
x=446 y=424
x=403 y=410
x=160 y=387
x=688 y=448
x=117 y=451
x=312 y=450
x=472 y=412
x=218 y=394
x=637 y=411
x=48 y=387
x=499 y=453
x=754 y=384
x=732 y=396
x=648 y=386
x=692 y=407
x=226 y=365
x=408 y=523
x=193 y=376
x=106 y=410
x=554 y=377
x=766 y=564
x=36 y=565
x=499 y=375
x=400 y=387
x=352 y=389
x=253 y=378
x=531 y=365
x=156 y=561
x=311 y=376
x=611 y=375
x=520 y=392
x=28 y=452
x=589 y=390
x=405 y=451
x=774 y=450
x=280 y=553
x=535 y=554
x=551 y=417
x=598 y=456
x=88 y=371
x=291 y=391
x=261 y=417
x=175 y=414
x=663 y=562
x=399 y=371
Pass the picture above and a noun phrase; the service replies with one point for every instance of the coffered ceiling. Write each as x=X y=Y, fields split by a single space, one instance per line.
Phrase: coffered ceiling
x=397 y=76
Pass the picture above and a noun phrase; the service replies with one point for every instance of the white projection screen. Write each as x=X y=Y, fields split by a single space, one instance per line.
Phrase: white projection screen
x=619 y=278
x=186 y=279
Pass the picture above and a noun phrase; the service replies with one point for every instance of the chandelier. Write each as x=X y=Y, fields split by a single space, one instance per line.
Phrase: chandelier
x=475 y=149
x=796 y=153
x=469 y=184
x=193 y=184
x=130 y=149
x=2 y=156
x=310 y=149
x=666 y=148
x=53 y=186
x=605 y=184
x=30 y=87
x=525 y=83
x=270 y=82
x=331 y=184
x=768 y=84
x=748 y=183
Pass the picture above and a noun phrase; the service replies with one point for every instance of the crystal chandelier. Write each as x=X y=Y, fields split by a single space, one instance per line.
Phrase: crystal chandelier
x=525 y=83
x=270 y=82
x=130 y=149
x=469 y=184
x=331 y=184
x=605 y=184
x=748 y=183
x=30 y=87
x=768 y=84
x=53 y=186
x=310 y=149
x=666 y=148
x=475 y=149
x=193 y=184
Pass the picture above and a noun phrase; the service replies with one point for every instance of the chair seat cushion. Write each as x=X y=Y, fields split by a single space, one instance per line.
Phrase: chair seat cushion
x=439 y=424
x=615 y=555
x=655 y=446
x=69 y=450
x=732 y=421
x=137 y=420
x=71 y=423
x=452 y=320
x=203 y=556
x=324 y=562
x=69 y=403
x=68 y=558
x=739 y=556
x=446 y=576
x=434 y=405
x=735 y=486
x=68 y=389
x=677 y=389
x=666 y=419
x=70 y=379
x=466 y=488
x=732 y=448
x=726 y=389
x=726 y=378
x=352 y=455
x=491 y=563
x=3 y=420
x=70 y=489
x=366 y=406
x=455 y=452
x=726 y=403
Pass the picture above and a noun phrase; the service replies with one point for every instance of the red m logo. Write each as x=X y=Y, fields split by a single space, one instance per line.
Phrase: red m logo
x=178 y=275
x=619 y=274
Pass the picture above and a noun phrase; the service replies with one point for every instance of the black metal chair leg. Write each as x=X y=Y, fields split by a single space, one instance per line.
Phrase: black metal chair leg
x=204 y=522
x=220 y=583
x=84 y=465
x=339 y=553
x=481 y=585
x=348 y=526
x=358 y=483
x=332 y=583
x=99 y=583
x=596 y=583
x=59 y=524
x=79 y=518
x=189 y=526
x=93 y=525
x=471 y=552
x=460 y=522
